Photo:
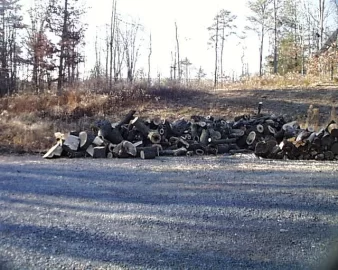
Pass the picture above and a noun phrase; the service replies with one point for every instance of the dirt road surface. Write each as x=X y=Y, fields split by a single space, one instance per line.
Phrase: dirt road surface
x=168 y=213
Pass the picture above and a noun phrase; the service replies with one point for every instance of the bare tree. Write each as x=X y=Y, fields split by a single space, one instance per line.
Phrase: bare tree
x=64 y=20
x=221 y=28
x=131 y=48
x=178 y=53
x=186 y=63
x=260 y=24
x=149 y=59
x=111 y=44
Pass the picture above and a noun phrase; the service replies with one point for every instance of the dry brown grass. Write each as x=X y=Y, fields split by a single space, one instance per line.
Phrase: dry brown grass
x=272 y=81
x=29 y=121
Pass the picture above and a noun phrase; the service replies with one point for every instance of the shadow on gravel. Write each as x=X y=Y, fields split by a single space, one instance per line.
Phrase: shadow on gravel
x=192 y=220
x=171 y=188
x=98 y=247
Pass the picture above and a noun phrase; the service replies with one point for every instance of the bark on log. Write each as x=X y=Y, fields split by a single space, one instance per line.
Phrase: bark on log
x=334 y=148
x=111 y=134
x=129 y=116
x=194 y=132
x=223 y=148
x=180 y=151
x=204 y=138
x=100 y=152
x=125 y=149
x=329 y=155
x=155 y=150
x=147 y=154
x=222 y=141
x=140 y=126
x=199 y=152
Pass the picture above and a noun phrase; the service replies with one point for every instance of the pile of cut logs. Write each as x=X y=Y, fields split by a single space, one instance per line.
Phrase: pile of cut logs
x=268 y=136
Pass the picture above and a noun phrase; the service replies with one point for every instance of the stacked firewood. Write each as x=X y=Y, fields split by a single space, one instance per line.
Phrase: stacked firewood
x=268 y=136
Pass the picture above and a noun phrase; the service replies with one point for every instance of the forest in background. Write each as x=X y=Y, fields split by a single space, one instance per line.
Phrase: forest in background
x=47 y=50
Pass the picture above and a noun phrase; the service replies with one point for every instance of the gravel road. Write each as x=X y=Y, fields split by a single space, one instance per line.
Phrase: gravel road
x=168 y=213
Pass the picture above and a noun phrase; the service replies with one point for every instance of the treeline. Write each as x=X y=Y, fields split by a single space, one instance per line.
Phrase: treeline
x=302 y=36
x=46 y=48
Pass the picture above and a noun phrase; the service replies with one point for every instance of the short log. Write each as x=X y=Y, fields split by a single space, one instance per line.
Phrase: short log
x=100 y=152
x=86 y=139
x=72 y=142
x=148 y=154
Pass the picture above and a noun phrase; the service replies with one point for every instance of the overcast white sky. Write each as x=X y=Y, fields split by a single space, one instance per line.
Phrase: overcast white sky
x=192 y=16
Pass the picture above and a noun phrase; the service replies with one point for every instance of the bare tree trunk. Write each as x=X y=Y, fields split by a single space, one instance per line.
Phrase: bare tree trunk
x=107 y=60
x=275 y=56
x=62 y=50
x=112 y=36
x=222 y=50
x=178 y=54
x=149 y=60
x=321 y=21
x=261 y=53
x=216 y=54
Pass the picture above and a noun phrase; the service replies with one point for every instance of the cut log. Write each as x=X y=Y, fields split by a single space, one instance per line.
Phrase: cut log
x=155 y=150
x=194 y=132
x=204 y=139
x=251 y=138
x=125 y=149
x=199 y=152
x=212 y=150
x=127 y=118
x=329 y=155
x=334 y=148
x=59 y=136
x=260 y=128
x=111 y=134
x=222 y=141
x=236 y=133
x=180 y=151
x=222 y=148
x=90 y=150
x=55 y=151
x=264 y=149
x=148 y=154
x=215 y=135
x=332 y=128
x=154 y=137
x=100 y=152
x=140 y=126
x=72 y=142
x=98 y=141
x=86 y=139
